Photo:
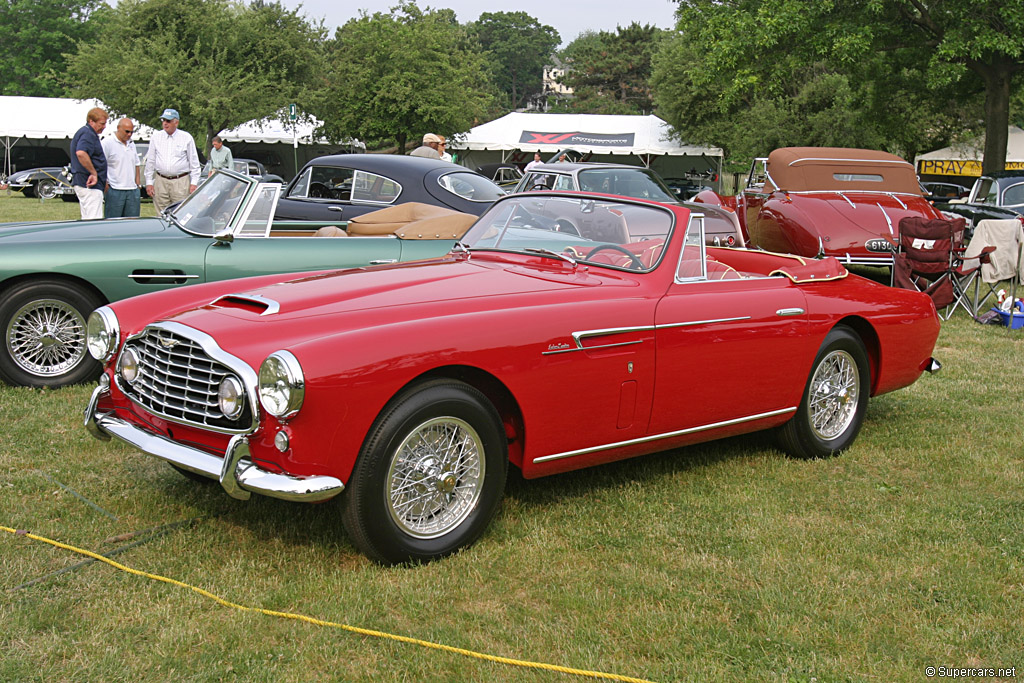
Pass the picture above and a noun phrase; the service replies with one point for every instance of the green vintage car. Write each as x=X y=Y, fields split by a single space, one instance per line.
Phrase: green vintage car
x=52 y=275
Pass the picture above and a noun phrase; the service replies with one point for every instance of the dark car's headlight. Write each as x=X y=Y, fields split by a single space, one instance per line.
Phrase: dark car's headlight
x=282 y=386
x=102 y=333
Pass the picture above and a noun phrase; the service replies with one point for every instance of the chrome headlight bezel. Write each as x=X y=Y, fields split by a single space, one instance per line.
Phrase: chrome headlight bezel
x=281 y=384
x=102 y=333
x=231 y=397
x=128 y=365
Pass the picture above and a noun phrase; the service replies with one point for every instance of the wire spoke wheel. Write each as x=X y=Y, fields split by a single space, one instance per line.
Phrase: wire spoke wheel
x=46 y=337
x=835 y=389
x=436 y=477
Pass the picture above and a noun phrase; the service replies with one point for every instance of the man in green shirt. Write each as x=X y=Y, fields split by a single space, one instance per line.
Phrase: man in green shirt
x=220 y=156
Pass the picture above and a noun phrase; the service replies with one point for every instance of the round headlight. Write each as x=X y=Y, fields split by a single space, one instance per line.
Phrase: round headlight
x=230 y=398
x=128 y=365
x=101 y=334
x=282 y=386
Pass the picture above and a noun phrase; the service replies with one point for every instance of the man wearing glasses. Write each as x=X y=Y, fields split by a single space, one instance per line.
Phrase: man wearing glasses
x=122 y=192
x=172 y=165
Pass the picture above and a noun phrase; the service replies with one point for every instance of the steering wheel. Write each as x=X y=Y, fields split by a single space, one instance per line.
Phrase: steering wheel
x=319 y=191
x=634 y=262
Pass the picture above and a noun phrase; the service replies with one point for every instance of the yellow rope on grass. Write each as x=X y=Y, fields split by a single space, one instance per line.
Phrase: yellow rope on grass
x=320 y=622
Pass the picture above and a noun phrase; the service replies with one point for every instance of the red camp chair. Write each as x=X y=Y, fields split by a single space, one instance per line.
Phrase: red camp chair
x=929 y=257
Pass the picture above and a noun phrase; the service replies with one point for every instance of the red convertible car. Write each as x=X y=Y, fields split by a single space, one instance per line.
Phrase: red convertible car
x=407 y=389
x=827 y=201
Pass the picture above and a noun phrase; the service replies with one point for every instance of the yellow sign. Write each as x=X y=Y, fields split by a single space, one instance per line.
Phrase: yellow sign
x=964 y=168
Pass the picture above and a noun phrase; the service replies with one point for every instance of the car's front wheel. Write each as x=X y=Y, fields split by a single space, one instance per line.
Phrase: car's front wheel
x=430 y=476
x=834 y=400
x=43 y=326
x=46 y=188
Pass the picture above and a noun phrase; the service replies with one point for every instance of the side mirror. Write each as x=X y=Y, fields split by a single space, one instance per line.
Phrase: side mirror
x=225 y=236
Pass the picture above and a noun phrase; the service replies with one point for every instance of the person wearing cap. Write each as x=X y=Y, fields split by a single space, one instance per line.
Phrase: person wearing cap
x=89 y=165
x=429 y=147
x=172 y=165
x=122 y=193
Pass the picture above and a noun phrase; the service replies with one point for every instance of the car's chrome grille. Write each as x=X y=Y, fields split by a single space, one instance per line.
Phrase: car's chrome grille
x=179 y=380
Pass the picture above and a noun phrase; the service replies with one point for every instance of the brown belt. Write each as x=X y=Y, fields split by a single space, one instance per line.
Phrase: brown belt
x=172 y=177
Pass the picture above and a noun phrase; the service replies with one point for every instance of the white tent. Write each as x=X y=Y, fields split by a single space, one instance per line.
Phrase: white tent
x=52 y=122
x=964 y=159
x=623 y=138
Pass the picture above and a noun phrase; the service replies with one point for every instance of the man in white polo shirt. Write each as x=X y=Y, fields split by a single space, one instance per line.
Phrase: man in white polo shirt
x=172 y=164
x=123 y=169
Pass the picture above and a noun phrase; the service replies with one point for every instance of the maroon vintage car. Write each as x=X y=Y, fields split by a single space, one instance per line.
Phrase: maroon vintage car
x=827 y=201
x=407 y=389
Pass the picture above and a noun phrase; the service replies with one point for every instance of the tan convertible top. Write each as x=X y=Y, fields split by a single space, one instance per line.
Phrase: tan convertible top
x=809 y=169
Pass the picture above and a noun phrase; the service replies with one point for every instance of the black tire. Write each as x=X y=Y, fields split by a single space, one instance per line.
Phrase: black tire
x=29 y=191
x=46 y=188
x=70 y=197
x=834 y=401
x=447 y=504
x=42 y=323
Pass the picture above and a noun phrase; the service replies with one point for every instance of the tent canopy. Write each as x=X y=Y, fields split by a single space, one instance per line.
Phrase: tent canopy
x=50 y=118
x=964 y=159
x=587 y=133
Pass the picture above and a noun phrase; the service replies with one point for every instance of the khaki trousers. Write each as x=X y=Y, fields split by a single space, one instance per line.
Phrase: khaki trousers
x=167 y=192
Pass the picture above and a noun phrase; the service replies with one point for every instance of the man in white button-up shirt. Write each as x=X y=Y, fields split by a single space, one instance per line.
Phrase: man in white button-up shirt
x=122 y=192
x=172 y=164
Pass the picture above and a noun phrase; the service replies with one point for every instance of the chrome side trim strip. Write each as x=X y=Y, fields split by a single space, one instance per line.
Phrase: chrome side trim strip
x=142 y=276
x=710 y=321
x=657 y=437
x=578 y=337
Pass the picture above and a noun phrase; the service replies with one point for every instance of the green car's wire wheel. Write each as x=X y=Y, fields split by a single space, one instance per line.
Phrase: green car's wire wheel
x=43 y=325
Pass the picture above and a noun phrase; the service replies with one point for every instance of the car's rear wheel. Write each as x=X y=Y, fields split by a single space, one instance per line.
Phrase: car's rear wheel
x=834 y=401
x=430 y=475
x=46 y=188
x=43 y=327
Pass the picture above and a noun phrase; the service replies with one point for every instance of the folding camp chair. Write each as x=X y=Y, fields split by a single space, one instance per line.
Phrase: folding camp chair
x=929 y=257
x=1006 y=238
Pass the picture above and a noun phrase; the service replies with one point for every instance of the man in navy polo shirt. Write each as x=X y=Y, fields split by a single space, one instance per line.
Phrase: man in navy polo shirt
x=89 y=165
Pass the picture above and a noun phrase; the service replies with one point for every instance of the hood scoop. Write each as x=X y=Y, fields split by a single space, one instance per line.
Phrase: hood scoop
x=260 y=305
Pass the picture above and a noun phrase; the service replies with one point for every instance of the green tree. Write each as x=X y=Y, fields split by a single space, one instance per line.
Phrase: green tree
x=518 y=47
x=906 y=66
x=34 y=34
x=395 y=76
x=219 y=63
x=610 y=73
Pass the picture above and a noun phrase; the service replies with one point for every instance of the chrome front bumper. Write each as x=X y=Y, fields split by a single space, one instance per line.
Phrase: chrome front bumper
x=235 y=471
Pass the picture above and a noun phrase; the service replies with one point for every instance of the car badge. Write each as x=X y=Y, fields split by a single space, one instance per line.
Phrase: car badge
x=168 y=343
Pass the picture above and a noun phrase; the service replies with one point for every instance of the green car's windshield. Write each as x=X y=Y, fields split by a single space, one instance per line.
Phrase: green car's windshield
x=214 y=204
x=570 y=228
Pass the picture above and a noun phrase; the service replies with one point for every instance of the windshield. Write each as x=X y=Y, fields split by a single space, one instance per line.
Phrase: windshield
x=213 y=205
x=628 y=182
x=586 y=230
x=471 y=186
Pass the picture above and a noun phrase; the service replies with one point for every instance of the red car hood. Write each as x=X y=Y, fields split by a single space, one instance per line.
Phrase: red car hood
x=849 y=220
x=390 y=293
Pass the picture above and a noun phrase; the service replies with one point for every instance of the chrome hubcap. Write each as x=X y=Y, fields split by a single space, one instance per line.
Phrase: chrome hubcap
x=835 y=389
x=46 y=337
x=435 y=478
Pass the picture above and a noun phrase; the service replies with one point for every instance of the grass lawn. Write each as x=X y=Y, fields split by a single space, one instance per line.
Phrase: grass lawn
x=14 y=206
x=725 y=561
